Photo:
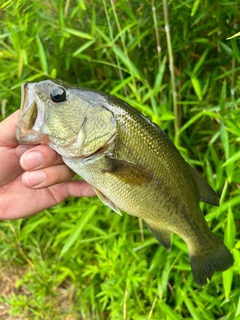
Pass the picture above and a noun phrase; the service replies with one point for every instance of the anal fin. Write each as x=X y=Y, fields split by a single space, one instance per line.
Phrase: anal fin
x=163 y=236
x=107 y=201
x=206 y=193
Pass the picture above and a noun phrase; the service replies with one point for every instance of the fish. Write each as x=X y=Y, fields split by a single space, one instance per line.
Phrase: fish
x=131 y=163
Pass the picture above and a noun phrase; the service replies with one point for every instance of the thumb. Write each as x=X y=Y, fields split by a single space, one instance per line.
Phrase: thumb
x=8 y=130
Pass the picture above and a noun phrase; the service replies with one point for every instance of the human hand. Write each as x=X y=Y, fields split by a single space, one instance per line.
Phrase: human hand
x=32 y=178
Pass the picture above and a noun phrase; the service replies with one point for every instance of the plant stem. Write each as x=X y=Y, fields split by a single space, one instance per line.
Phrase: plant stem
x=233 y=82
x=171 y=68
x=112 y=39
x=156 y=33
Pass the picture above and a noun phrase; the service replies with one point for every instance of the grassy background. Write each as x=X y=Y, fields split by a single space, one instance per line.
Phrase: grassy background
x=79 y=260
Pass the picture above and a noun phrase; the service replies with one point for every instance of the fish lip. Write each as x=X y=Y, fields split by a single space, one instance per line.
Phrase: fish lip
x=26 y=96
x=26 y=134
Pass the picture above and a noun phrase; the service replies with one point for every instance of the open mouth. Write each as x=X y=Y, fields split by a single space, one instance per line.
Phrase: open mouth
x=31 y=117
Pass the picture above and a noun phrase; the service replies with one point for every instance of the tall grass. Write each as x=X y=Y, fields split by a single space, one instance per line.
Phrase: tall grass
x=79 y=260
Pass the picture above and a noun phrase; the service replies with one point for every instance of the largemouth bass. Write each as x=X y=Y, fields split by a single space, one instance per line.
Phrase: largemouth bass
x=130 y=162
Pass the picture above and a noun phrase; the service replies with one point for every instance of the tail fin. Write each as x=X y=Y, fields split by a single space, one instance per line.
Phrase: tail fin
x=204 y=265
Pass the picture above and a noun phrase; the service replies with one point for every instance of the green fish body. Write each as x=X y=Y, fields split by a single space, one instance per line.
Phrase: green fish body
x=130 y=162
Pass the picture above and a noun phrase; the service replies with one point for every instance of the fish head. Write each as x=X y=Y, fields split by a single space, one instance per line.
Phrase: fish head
x=73 y=121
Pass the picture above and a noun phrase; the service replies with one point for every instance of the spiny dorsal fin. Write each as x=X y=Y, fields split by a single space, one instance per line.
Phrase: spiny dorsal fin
x=206 y=193
x=163 y=236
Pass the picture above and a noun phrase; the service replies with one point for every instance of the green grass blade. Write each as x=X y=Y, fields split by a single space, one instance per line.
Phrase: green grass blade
x=190 y=122
x=77 y=230
x=159 y=77
x=201 y=61
x=83 y=48
x=229 y=239
x=42 y=55
x=78 y=33
x=195 y=7
x=190 y=306
x=196 y=86
x=232 y=159
x=227 y=281
x=127 y=62
x=168 y=311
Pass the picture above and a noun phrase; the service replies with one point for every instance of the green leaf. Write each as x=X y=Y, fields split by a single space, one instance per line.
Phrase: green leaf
x=227 y=281
x=77 y=230
x=83 y=47
x=196 y=86
x=230 y=167
x=201 y=60
x=234 y=36
x=168 y=116
x=121 y=85
x=159 y=77
x=190 y=306
x=77 y=33
x=225 y=141
x=231 y=127
x=168 y=311
x=227 y=49
x=229 y=238
x=235 y=48
x=42 y=55
x=127 y=62
x=232 y=159
x=223 y=98
x=190 y=122
x=195 y=7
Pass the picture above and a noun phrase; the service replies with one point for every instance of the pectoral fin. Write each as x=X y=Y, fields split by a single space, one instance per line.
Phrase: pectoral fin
x=127 y=172
x=107 y=201
x=163 y=236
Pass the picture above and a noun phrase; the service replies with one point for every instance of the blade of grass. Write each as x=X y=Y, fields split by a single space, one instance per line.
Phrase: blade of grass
x=77 y=230
x=42 y=55
x=77 y=33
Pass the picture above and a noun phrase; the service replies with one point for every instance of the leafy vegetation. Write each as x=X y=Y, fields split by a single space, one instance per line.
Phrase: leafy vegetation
x=79 y=260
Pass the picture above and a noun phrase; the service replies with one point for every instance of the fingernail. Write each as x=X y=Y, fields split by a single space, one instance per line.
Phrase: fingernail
x=31 y=160
x=20 y=150
x=35 y=178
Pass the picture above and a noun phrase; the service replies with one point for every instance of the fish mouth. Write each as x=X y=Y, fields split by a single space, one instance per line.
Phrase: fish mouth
x=31 y=117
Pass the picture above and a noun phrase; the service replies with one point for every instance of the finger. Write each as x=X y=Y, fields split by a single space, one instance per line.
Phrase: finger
x=9 y=165
x=79 y=189
x=8 y=130
x=41 y=156
x=65 y=190
x=21 y=149
x=47 y=176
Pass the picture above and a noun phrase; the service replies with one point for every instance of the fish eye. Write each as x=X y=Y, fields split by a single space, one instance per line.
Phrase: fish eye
x=58 y=94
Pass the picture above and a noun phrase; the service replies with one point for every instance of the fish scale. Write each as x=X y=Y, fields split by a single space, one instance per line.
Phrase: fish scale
x=130 y=162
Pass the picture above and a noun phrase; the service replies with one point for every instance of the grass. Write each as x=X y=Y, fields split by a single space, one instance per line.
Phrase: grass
x=79 y=260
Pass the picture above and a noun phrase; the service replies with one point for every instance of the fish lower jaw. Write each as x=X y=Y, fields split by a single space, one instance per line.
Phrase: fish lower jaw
x=26 y=136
